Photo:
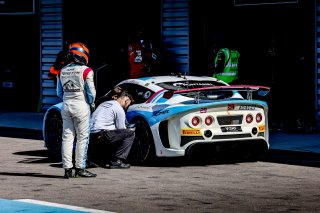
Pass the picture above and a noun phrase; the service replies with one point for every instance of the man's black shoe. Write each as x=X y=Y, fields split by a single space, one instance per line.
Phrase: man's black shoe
x=118 y=165
x=67 y=173
x=84 y=173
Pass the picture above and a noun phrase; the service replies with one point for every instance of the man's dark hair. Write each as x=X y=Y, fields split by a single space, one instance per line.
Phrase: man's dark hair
x=116 y=91
x=125 y=93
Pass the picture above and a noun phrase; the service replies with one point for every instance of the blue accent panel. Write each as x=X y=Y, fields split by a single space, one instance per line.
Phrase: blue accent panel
x=161 y=93
x=89 y=92
x=59 y=90
x=85 y=156
x=57 y=106
x=162 y=100
x=145 y=78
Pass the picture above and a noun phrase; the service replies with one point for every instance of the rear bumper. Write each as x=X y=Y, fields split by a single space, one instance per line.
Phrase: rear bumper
x=228 y=148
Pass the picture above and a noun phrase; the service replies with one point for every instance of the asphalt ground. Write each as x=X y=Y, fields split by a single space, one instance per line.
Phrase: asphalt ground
x=26 y=173
x=286 y=149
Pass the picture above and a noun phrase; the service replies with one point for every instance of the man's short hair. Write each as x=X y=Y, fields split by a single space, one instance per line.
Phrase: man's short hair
x=125 y=93
x=116 y=90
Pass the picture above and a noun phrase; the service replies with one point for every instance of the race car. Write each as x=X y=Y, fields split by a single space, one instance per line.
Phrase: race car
x=175 y=116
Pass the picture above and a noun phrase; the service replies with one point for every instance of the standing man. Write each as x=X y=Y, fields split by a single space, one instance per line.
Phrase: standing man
x=226 y=65
x=76 y=88
x=142 y=57
x=109 y=127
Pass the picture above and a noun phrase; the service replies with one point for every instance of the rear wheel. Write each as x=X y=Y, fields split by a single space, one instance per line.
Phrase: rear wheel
x=142 y=150
x=53 y=134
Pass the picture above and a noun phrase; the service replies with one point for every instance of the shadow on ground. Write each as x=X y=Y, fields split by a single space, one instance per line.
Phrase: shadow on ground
x=26 y=174
x=38 y=156
x=274 y=156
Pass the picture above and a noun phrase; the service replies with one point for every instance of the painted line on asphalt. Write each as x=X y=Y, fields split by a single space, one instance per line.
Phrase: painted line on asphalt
x=75 y=208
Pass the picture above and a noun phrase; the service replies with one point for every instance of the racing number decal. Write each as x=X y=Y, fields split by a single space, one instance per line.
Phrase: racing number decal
x=190 y=132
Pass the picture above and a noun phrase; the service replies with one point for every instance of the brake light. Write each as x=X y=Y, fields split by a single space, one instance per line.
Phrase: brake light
x=249 y=118
x=208 y=120
x=195 y=121
x=258 y=117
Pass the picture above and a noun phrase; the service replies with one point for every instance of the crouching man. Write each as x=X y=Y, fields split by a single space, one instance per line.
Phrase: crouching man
x=108 y=129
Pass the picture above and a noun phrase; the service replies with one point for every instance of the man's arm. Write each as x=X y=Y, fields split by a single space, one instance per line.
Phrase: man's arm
x=59 y=88
x=89 y=85
x=120 y=118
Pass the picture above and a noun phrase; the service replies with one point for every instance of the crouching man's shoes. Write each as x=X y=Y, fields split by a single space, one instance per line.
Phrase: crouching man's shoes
x=84 y=173
x=119 y=164
x=67 y=173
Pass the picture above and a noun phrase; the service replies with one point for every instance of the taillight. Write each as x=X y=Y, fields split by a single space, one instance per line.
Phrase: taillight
x=195 y=121
x=209 y=120
x=258 y=117
x=249 y=118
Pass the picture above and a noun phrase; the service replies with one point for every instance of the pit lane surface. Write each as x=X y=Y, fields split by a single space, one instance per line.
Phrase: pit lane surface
x=273 y=185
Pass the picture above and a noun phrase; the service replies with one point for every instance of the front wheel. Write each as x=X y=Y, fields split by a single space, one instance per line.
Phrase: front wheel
x=142 y=150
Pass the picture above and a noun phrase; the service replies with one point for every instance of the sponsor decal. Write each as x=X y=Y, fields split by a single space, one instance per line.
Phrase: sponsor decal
x=247 y=107
x=230 y=106
x=262 y=128
x=231 y=129
x=203 y=110
x=192 y=84
x=70 y=73
x=71 y=86
x=161 y=112
x=131 y=82
x=143 y=107
x=190 y=132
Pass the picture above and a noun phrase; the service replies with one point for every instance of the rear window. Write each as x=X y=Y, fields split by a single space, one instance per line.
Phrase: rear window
x=198 y=95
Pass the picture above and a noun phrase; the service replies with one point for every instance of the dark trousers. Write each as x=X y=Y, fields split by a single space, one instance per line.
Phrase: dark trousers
x=110 y=144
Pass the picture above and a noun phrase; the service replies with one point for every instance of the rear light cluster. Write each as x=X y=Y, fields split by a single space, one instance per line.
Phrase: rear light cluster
x=196 y=120
x=249 y=118
x=209 y=120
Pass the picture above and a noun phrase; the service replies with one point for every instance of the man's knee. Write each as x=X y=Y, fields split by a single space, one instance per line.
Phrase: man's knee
x=131 y=135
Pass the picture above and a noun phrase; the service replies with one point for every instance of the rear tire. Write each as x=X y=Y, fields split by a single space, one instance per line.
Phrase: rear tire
x=53 y=134
x=143 y=149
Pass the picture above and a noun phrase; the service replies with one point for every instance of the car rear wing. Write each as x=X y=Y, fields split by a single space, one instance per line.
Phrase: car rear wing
x=249 y=89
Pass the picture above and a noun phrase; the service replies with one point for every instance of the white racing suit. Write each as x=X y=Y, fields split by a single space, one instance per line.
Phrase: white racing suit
x=76 y=87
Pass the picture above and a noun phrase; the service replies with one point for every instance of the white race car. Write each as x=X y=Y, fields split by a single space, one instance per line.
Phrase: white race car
x=182 y=115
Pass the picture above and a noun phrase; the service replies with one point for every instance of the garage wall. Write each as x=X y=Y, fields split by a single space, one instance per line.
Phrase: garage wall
x=51 y=42
x=175 y=34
